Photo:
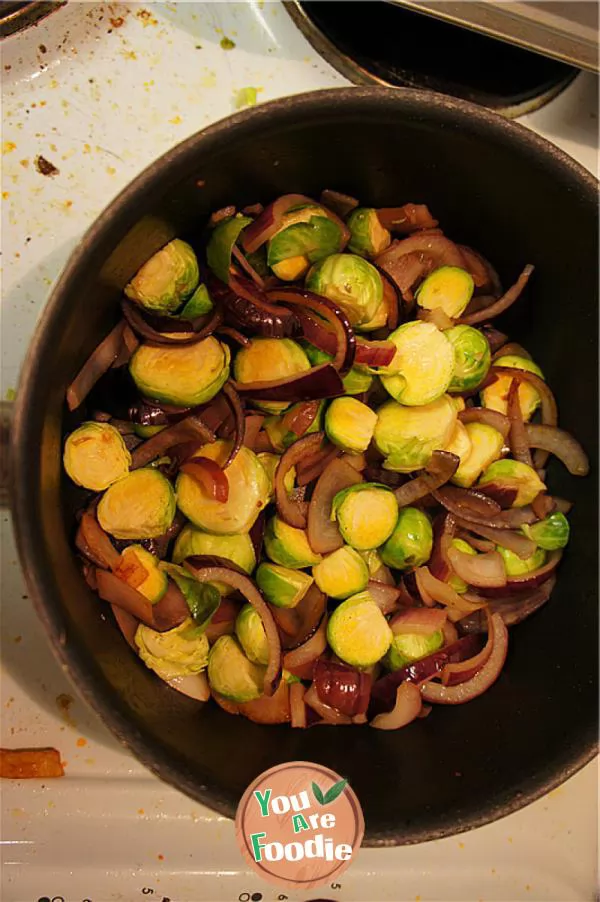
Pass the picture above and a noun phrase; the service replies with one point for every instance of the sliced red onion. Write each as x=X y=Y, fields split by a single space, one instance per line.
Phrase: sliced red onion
x=118 y=593
x=241 y=260
x=438 y=317
x=495 y=338
x=476 y=506
x=298 y=420
x=479 y=570
x=326 y=712
x=542 y=505
x=513 y=609
x=526 y=581
x=191 y=429
x=385 y=596
x=127 y=623
x=219 y=215
x=297 y=706
x=506 y=538
x=257 y=532
x=438 y=471
x=315 y=384
x=444 y=530
x=247 y=307
x=560 y=443
x=209 y=475
x=308 y=472
x=264 y=227
x=519 y=445
x=171 y=610
x=374 y=353
x=511 y=348
x=406 y=219
x=300 y=660
x=339 y=203
x=233 y=399
x=422 y=621
x=234 y=334
x=342 y=687
x=254 y=422
x=460 y=672
x=269 y=709
x=191 y=331
x=95 y=366
x=228 y=706
x=95 y=544
x=434 y=590
x=323 y=533
x=488 y=417
x=304 y=620
x=407 y=707
x=194 y=685
x=484 y=275
x=502 y=304
x=291 y=511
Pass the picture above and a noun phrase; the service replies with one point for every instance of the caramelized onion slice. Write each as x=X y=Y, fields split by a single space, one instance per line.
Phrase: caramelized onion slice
x=406 y=708
x=292 y=511
x=502 y=304
x=561 y=444
x=479 y=570
x=438 y=471
x=323 y=533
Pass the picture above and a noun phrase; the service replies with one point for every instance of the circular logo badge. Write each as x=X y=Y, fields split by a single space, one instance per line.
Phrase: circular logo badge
x=299 y=825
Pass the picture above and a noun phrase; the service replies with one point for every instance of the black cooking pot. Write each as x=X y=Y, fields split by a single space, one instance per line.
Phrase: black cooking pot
x=493 y=185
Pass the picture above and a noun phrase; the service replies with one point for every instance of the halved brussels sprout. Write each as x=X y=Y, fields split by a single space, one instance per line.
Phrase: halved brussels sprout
x=367 y=236
x=358 y=632
x=516 y=566
x=551 y=533
x=411 y=542
x=175 y=653
x=231 y=674
x=422 y=368
x=95 y=456
x=409 y=647
x=202 y=599
x=221 y=242
x=341 y=573
x=269 y=358
x=460 y=443
x=141 y=505
x=236 y=548
x=472 y=357
x=486 y=446
x=199 y=304
x=350 y=424
x=459 y=403
x=251 y=635
x=366 y=514
x=270 y=463
x=356 y=381
x=306 y=235
x=351 y=282
x=282 y=586
x=248 y=493
x=185 y=376
x=458 y=584
x=166 y=279
x=379 y=321
x=289 y=546
x=448 y=288
x=408 y=436
x=155 y=584
x=495 y=396
x=512 y=474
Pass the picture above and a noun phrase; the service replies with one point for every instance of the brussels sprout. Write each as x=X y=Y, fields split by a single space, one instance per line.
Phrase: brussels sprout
x=486 y=446
x=202 y=599
x=185 y=376
x=306 y=235
x=231 y=674
x=199 y=304
x=221 y=242
x=282 y=586
x=141 y=505
x=512 y=474
x=411 y=542
x=458 y=584
x=155 y=584
x=248 y=493
x=549 y=534
x=341 y=573
x=460 y=443
x=459 y=403
x=288 y=546
x=175 y=653
x=238 y=549
x=367 y=236
x=408 y=436
x=409 y=647
x=351 y=282
x=472 y=357
x=166 y=279
x=95 y=456
x=270 y=463
x=448 y=288
x=379 y=321
x=366 y=514
x=495 y=396
x=147 y=431
x=251 y=635
x=422 y=368
x=516 y=566
x=269 y=358
x=281 y=437
x=349 y=424
x=356 y=381
x=358 y=632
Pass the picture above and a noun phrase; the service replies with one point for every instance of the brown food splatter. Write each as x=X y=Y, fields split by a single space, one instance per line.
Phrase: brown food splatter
x=116 y=23
x=44 y=166
x=23 y=764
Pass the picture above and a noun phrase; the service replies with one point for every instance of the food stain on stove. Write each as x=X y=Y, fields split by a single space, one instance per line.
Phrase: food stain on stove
x=44 y=166
x=64 y=702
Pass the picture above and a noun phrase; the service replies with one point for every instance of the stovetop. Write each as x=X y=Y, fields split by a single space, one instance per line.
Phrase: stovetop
x=98 y=91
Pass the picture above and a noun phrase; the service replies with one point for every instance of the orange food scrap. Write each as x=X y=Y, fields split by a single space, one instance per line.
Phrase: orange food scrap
x=24 y=764
x=81 y=742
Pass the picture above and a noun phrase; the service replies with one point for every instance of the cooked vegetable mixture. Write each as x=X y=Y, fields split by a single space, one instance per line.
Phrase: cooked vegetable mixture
x=316 y=473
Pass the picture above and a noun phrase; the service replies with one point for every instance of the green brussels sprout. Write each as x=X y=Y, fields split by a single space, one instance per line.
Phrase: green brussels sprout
x=512 y=474
x=202 y=599
x=357 y=381
x=282 y=586
x=307 y=234
x=459 y=403
x=221 y=242
x=448 y=288
x=175 y=653
x=280 y=436
x=358 y=632
x=460 y=444
x=377 y=569
x=379 y=321
x=495 y=396
x=166 y=279
x=516 y=566
x=199 y=304
x=366 y=514
x=351 y=282
x=411 y=542
x=486 y=447
x=551 y=533
x=141 y=505
x=265 y=359
x=350 y=424
x=186 y=376
x=270 y=463
x=458 y=584
x=155 y=584
x=147 y=431
x=472 y=357
x=422 y=368
x=408 y=436
x=248 y=493
x=341 y=573
x=95 y=456
x=231 y=674
x=367 y=236
x=237 y=548
x=409 y=647
x=288 y=546
x=251 y=635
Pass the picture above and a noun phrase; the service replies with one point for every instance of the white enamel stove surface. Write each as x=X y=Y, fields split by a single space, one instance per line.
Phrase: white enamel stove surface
x=100 y=91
